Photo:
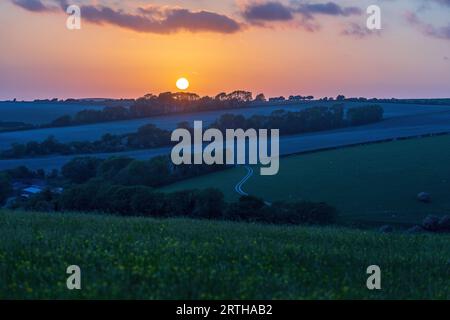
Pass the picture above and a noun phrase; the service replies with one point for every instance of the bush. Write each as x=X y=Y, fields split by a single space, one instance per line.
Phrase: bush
x=152 y=173
x=248 y=208
x=42 y=202
x=209 y=204
x=147 y=202
x=181 y=203
x=98 y=195
x=253 y=209
x=120 y=200
x=303 y=213
x=80 y=170
x=5 y=187
x=80 y=197
x=109 y=168
x=444 y=223
x=431 y=223
x=21 y=172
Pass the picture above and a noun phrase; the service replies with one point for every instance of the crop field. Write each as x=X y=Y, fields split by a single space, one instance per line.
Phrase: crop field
x=375 y=183
x=126 y=258
x=169 y=122
x=96 y=131
x=40 y=113
x=395 y=126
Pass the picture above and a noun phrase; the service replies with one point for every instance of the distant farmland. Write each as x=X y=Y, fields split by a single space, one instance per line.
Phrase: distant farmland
x=373 y=184
x=393 y=127
x=40 y=113
x=96 y=131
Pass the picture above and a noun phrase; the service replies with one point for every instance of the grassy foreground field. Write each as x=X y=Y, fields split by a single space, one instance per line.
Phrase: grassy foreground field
x=375 y=183
x=186 y=259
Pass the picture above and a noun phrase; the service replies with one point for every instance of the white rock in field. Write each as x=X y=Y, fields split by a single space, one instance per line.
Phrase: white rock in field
x=386 y=229
x=415 y=229
x=424 y=197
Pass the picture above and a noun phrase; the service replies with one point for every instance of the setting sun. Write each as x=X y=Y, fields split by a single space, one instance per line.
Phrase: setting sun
x=182 y=83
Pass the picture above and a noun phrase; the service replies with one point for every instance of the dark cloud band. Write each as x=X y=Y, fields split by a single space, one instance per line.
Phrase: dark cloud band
x=277 y=11
x=166 y=21
x=428 y=29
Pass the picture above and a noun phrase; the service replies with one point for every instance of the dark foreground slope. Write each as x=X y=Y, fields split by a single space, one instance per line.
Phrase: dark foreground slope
x=186 y=259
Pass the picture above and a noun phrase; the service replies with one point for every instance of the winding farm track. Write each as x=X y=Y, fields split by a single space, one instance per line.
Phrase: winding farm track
x=238 y=187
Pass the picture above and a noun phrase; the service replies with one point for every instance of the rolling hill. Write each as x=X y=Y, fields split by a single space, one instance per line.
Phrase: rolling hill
x=374 y=184
x=127 y=258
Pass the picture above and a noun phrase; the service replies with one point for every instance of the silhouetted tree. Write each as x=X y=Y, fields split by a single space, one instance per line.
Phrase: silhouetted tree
x=260 y=98
x=80 y=169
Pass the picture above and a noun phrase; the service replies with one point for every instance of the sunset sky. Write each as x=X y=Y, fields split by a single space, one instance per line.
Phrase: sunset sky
x=130 y=48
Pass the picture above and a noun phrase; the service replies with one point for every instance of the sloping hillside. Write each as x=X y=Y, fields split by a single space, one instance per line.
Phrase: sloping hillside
x=188 y=259
x=373 y=184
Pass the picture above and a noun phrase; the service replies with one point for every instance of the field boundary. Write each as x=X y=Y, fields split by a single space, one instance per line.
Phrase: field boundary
x=250 y=171
x=352 y=145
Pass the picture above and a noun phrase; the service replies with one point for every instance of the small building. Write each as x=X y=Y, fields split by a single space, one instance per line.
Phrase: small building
x=31 y=191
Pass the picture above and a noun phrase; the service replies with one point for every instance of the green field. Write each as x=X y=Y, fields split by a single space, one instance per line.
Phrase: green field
x=375 y=183
x=186 y=259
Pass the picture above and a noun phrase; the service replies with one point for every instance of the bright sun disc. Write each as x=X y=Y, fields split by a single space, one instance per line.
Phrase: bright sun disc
x=182 y=83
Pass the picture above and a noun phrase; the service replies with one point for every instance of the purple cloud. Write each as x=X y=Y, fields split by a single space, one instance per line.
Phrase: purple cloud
x=276 y=11
x=31 y=5
x=427 y=28
x=444 y=2
x=329 y=8
x=269 y=11
x=173 y=20
x=161 y=21
x=359 y=31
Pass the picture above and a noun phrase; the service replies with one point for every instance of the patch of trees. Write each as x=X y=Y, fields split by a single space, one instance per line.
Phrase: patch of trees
x=155 y=105
x=307 y=120
x=444 y=101
x=23 y=173
x=155 y=172
x=97 y=196
x=365 y=115
x=414 y=101
x=149 y=136
x=298 y=98
x=253 y=209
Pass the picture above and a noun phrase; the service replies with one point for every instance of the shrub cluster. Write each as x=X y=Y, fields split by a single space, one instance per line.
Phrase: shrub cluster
x=155 y=172
x=365 y=115
x=5 y=187
x=436 y=224
x=97 y=196
x=164 y=103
